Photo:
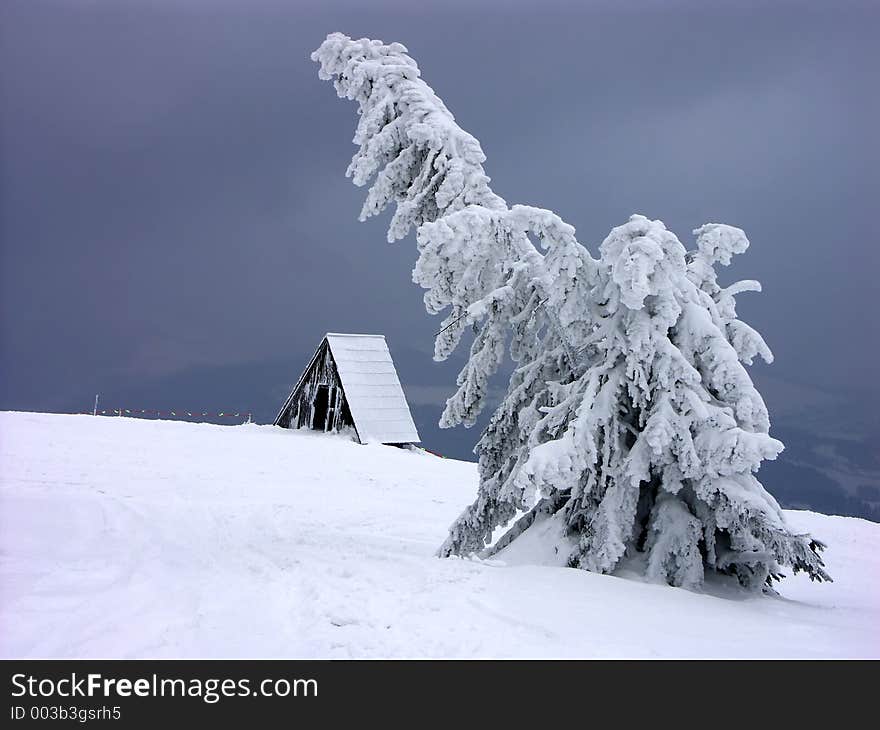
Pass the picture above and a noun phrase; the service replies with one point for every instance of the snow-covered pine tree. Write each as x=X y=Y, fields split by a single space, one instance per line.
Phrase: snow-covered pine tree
x=629 y=417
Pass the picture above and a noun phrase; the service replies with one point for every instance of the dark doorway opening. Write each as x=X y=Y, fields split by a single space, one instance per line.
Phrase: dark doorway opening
x=319 y=412
x=331 y=409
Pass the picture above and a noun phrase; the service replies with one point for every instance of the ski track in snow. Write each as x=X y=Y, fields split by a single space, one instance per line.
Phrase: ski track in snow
x=132 y=538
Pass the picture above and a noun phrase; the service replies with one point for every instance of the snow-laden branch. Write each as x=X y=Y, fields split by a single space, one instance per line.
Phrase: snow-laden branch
x=431 y=170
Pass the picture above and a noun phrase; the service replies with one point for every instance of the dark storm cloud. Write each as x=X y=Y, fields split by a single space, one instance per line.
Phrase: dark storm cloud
x=176 y=225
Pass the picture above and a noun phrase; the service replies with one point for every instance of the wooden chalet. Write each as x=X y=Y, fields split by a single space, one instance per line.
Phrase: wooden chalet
x=351 y=382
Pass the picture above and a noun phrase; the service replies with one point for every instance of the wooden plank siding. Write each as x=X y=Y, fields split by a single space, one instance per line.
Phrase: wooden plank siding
x=300 y=409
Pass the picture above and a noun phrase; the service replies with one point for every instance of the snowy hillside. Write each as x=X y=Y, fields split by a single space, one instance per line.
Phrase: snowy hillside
x=130 y=538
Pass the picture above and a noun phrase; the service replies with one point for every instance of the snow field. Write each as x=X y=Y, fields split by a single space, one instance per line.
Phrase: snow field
x=132 y=538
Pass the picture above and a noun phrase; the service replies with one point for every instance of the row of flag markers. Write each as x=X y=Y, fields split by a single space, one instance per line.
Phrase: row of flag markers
x=151 y=412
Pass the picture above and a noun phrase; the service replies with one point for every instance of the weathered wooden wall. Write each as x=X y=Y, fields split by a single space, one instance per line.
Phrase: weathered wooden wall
x=300 y=411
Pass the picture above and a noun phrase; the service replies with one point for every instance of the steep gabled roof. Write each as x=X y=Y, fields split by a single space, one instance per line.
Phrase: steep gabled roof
x=372 y=389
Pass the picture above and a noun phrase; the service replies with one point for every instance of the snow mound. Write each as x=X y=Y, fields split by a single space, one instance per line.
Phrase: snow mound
x=131 y=538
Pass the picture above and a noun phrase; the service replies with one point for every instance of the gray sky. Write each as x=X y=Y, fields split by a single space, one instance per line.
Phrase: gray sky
x=176 y=228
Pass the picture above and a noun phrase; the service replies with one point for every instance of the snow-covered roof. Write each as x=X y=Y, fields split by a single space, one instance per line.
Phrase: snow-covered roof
x=372 y=389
